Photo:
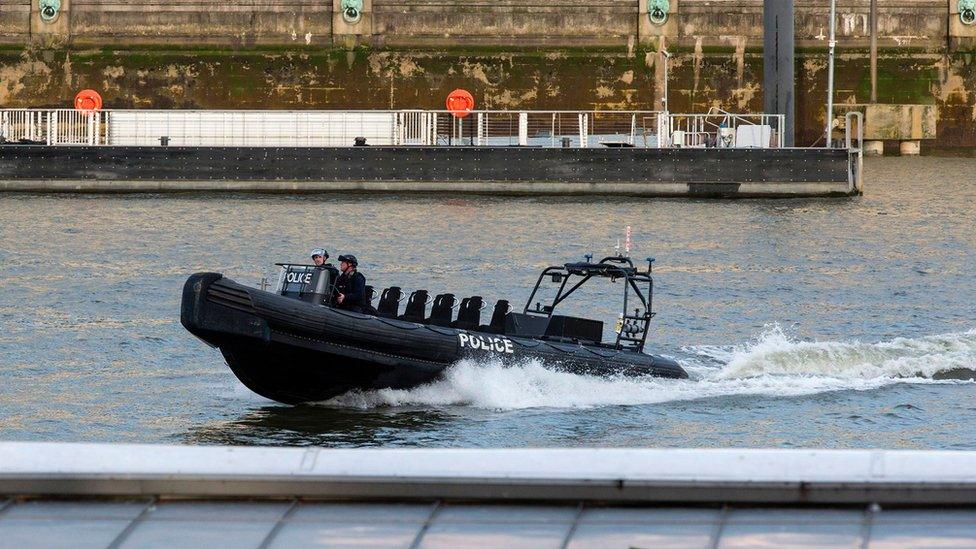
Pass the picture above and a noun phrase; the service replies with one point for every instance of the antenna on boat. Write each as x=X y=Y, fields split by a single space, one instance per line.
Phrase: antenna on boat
x=627 y=242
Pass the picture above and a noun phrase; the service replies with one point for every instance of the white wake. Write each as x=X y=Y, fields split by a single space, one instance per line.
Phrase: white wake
x=774 y=365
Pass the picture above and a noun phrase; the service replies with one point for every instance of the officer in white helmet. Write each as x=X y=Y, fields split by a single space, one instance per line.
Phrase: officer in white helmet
x=319 y=256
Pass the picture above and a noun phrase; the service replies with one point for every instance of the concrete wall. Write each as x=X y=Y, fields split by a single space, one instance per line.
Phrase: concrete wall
x=192 y=22
x=510 y=23
x=561 y=54
x=15 y=21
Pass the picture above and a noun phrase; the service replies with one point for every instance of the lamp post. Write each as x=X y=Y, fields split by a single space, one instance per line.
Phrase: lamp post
x=830 y=72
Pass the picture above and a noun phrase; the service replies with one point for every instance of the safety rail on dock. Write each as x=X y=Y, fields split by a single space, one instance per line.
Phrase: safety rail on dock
x=553 y=129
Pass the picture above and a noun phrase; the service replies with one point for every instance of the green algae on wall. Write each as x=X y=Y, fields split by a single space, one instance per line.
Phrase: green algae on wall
x=499 y=78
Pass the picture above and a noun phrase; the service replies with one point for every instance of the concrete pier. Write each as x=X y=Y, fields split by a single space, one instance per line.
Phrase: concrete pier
x=701 y=172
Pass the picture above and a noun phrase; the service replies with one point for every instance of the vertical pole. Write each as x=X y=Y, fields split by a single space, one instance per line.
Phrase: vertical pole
x=666 y=57
x=779 y=82
x=523 y=129
x=830 y=71
x=874 y=51
x=481 y=129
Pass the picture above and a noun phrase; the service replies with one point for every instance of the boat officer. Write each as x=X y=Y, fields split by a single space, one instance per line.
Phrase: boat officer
x=351 y=285
x=319 y=255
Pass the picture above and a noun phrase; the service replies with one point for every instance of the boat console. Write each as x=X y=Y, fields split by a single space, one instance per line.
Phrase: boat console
x=307 y=282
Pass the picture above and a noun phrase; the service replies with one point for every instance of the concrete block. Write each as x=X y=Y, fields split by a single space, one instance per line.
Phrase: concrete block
x=648 y=33
x=515 y=23
x=874 y=148
x=342 y=29
x=50 y=33
x=957 y=29
x=902 y=122
x=910 y=148
x=15 y=24
x=293 y=24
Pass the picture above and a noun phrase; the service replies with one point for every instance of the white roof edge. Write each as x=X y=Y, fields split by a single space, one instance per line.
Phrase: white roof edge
x=611 y=474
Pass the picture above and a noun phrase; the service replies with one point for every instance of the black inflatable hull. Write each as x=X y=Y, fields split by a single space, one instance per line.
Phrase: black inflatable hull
x=292 y=351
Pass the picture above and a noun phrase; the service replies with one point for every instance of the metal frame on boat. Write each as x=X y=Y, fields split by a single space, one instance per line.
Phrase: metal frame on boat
x=632 y=328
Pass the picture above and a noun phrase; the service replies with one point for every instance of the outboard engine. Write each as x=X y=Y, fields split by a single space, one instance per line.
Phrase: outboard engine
x=307 y=282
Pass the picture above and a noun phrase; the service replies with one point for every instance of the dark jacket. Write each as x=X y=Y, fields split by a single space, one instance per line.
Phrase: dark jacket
x=354 y=289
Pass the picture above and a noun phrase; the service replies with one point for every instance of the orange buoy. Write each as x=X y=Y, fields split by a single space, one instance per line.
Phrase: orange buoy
x=88 y=100
x=460 y=103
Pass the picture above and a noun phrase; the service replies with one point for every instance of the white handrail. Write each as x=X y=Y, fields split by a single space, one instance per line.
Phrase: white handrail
x=319 y=128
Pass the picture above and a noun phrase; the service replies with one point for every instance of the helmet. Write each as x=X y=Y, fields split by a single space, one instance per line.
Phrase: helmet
x=350 y=259
x=321 y=252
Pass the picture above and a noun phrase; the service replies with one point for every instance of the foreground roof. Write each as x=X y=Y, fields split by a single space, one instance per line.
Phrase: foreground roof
x=85 y=495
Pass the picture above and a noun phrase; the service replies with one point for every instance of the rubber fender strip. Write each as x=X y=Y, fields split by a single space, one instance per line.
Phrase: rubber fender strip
x=441 y=330
x=528 y=343
x=299 y=320
x=360 y=349
x=401 y=324
x=571 y=351
x=350 y=314
x=610 y=354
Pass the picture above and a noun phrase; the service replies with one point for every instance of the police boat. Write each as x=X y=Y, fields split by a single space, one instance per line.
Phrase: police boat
x=289 y=345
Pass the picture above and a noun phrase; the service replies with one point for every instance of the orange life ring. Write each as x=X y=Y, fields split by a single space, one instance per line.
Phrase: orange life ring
x=460 y=103
x=88 y=100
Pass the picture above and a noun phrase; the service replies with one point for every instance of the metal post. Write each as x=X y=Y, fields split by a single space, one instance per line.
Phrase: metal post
x=779 y=82
x=830 y=71
x=667 y=58
x=874 y=51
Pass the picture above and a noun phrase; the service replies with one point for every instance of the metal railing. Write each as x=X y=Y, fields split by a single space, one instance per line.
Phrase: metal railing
x=721 y=129
x=53 y=127
x=575 y=129
x=854 y=141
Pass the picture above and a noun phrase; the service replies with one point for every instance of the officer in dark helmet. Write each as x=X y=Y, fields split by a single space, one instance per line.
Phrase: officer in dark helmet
x=350 y=288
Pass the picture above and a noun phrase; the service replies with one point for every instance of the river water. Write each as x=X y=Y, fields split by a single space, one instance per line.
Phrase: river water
x=804 y=323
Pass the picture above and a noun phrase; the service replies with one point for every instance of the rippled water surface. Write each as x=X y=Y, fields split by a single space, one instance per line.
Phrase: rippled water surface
x=823 y=323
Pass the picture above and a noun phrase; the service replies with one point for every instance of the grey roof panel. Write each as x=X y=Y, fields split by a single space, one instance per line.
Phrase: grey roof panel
x=760 y=535
x=794 y=516
x=27 y=533
x=211 y=534
x=892 y=536
x=91 y=510
x=509 y=514
x=663 y=536
x=475 y=535
x=313 y=534
x=226 y=511
x=368 y=513
x=926 y=516
x=650 y=515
